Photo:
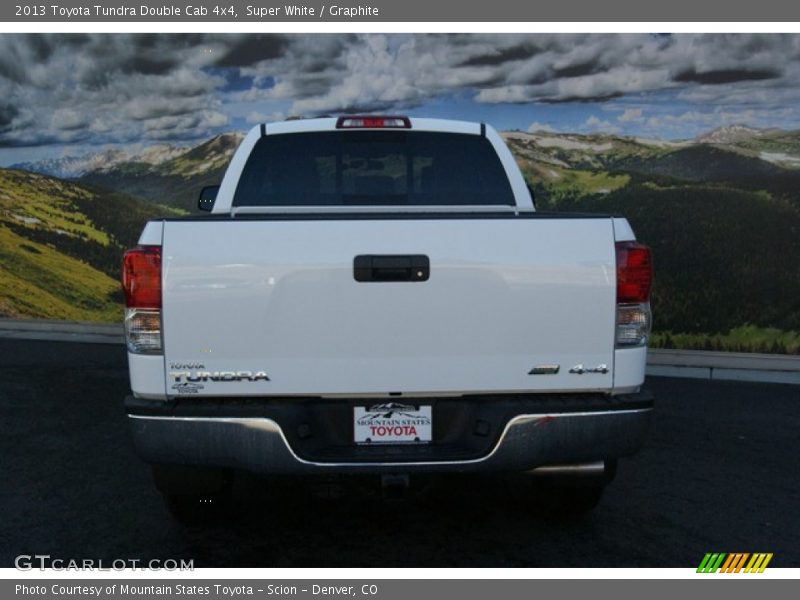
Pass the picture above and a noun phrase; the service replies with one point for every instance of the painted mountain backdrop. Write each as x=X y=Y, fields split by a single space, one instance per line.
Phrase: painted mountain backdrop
x=721 y=211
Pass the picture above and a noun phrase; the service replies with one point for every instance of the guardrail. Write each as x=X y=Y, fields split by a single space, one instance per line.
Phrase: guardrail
x=736 y=366
x=62 y=331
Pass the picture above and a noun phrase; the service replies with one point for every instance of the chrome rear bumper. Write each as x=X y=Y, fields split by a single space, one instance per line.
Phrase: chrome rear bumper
x=259 y=444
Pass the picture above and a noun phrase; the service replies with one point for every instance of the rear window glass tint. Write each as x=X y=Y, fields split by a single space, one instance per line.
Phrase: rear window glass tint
x=369 y=168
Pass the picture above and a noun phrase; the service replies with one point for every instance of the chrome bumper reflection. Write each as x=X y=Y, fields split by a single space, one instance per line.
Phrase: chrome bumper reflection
x=259 y=444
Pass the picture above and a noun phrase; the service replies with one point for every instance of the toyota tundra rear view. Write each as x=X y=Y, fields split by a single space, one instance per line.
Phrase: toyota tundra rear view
x=378 y=295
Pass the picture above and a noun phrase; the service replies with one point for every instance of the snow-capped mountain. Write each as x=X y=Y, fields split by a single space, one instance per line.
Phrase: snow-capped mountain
x=73 y=167
x=731 y=134
x=152 y=155
x=169 y=176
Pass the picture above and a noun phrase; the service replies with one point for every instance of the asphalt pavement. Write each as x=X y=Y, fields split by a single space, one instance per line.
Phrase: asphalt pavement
x=718 y=474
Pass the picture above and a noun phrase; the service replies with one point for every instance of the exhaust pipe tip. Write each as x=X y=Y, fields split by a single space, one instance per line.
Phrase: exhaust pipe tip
x=599 y=470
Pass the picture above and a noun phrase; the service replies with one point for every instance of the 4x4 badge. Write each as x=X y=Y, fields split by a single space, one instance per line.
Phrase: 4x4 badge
x=580 y=369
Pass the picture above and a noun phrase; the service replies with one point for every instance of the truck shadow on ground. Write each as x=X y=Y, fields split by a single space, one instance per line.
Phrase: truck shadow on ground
x=352 y=522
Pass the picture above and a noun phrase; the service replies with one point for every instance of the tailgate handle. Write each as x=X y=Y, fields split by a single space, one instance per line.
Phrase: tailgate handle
x=391 y=267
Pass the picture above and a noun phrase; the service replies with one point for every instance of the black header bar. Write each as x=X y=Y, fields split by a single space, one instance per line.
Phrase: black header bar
x=269 y=11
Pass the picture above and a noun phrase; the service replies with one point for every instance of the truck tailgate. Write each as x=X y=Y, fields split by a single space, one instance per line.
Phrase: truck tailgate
x=280 y=297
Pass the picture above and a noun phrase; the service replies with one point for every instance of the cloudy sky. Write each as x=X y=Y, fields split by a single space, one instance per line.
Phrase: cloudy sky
x=69 y=94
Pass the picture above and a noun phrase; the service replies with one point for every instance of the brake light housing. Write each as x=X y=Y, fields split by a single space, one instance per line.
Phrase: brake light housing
x=634 y=272
x=373 y=122
x=634 y=265
x=141 y=284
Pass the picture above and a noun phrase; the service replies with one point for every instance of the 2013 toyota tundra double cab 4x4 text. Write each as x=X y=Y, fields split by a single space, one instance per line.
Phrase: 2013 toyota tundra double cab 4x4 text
x=378 y=294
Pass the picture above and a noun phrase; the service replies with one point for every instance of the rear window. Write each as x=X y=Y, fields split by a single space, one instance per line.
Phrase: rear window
x=373 y=168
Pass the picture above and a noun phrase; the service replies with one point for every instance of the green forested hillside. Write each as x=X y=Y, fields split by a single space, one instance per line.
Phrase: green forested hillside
x=702 y=163
x=61 y=246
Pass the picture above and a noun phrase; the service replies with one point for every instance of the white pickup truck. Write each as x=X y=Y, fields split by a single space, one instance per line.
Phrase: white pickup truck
x=379 y=295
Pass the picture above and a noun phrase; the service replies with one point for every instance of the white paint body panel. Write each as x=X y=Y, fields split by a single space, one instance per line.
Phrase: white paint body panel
x=152 y=234
x=623 y=231
x=503 y=296
x=629 y=368
x=147 y=376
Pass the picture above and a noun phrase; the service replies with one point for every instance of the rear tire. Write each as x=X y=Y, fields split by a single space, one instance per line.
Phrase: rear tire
x=194 y=495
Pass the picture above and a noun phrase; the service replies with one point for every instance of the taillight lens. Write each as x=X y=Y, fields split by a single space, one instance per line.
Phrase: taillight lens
x=141 y=277
x=634 y=322
x=634 y=281
x=634 y=272
x=141 y=282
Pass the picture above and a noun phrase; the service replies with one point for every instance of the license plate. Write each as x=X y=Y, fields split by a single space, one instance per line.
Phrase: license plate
x=392 y=423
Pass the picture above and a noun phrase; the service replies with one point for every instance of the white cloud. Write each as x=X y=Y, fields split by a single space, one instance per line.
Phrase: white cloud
x=68 y=119
x=704 y=120
x=594 y=123
x=256 y=117
x=631 y=115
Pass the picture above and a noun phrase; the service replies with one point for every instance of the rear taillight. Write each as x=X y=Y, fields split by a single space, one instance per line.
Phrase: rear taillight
x=634 y=280
x=634 y=272
x=359 y=122
x=141 y=282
